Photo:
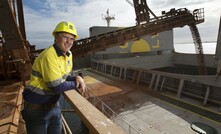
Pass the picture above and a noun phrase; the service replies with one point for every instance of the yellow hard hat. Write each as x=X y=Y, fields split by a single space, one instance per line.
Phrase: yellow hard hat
x=67 y=27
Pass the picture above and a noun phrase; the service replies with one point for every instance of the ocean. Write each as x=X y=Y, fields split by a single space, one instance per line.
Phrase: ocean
x=208 y=48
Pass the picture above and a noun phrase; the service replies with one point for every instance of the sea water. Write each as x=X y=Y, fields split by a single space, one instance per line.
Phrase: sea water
x=208 y=48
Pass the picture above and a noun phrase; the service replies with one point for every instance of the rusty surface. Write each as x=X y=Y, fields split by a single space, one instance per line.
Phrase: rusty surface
x=141 y=10
x=169 y=20
x=15 y=47
x=10 y=106
x=10 y=30
x=117 y=95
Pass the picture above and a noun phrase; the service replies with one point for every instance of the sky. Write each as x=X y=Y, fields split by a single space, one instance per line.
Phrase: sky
x=41 y=17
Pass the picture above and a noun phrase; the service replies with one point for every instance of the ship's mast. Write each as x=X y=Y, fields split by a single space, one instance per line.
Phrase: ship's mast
x=108 y=18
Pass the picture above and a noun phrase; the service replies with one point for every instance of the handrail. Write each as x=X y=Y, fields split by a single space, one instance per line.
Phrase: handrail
x=204 y=79
x=96 y=122
x=65 y=126
x=114 y=114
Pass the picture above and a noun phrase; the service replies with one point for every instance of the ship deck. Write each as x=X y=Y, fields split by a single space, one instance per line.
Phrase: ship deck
x=135 y=107
x=146 y=111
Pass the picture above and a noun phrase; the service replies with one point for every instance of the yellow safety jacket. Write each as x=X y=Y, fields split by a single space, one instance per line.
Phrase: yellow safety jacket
x=49 y=70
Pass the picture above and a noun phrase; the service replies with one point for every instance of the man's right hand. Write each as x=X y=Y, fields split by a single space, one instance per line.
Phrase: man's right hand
x=81 y=86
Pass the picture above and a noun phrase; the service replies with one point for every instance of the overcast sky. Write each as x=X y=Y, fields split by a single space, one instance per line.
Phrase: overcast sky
x=41 y=16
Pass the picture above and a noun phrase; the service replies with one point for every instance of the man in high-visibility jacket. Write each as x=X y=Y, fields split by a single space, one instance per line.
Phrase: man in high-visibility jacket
x=50 y=77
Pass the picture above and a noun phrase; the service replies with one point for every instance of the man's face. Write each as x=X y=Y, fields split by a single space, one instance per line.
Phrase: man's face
x=64 y=41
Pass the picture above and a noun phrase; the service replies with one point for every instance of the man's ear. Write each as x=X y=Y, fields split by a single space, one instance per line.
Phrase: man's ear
x=56 y=36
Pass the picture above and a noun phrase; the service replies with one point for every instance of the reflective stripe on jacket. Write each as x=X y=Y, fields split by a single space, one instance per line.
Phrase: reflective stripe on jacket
x=48 y=71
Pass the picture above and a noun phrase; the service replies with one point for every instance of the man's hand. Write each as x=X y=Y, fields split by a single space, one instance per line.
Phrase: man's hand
x=80 y=84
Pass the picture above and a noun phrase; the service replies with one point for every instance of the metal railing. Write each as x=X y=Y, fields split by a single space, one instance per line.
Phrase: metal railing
x=185 y=83
x=95 y=121
x=65 y=127
x=107 y=111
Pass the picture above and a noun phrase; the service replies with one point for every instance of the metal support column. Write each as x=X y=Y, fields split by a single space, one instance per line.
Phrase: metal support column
x=157 y=82
x=180 y=88
x=206 y=96
x=138 y=77
x=152 y=81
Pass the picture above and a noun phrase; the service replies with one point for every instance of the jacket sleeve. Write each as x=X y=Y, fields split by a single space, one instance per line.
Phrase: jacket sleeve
x=52 y=76
x=71 y=78
x=67 y=85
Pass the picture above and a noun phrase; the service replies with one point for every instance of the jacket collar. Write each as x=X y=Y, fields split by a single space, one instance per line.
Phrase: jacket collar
x=59 y=52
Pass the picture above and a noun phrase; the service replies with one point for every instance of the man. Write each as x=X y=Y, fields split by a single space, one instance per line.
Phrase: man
x=50 y=77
